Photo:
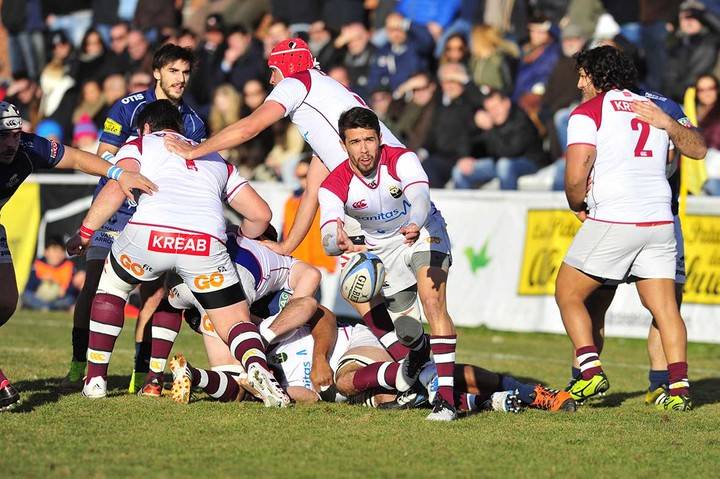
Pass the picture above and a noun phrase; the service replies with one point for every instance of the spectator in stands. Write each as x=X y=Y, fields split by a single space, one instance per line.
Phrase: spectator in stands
x=24 y=93
x=187 y=39
x=56 y=79
x=225 y=110
x=561 y=97
x=85 y=134
x=53 y=283
x=139 y=81
x=340 y=74
x=456 y=105
x=538 y=59
x=510 y=142
x=358 y=54
x=209 y=56
x=114 y=88
x=240 y=61
x=435 y=16
x=654 y=17
x=310 y=250
x=118 y=60
x=73 y=17
x=455 y=50
x=695 y=48
x=104 y=16
x=322 y=46
x=91 y=103
x=153 y=16
x=380 y=101
x=254 y=152
x=276 y=32
x=407 y=52
x=23 y=20
x=50 y=130
x=297 y=15
x=627 y=14
x=287 y=150
x=708 y=117
x=493 y=59
x=336 y=13
x=92 y=60
x=139 y=52
x=412 y=113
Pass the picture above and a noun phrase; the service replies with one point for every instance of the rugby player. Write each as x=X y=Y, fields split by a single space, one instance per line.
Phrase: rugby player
x=172 y=66
x=181 y=228
x=20 y=155
x=314 y=103
x=661 y=112
x=385 y=189
x=628 y=228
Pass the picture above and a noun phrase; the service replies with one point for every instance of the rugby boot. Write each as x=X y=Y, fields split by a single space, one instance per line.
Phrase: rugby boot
x=583 y=389
x=75 y=379
x=503 y=401
x=267 y=387
x=9 y=396
x=552 y=400
x=442 y=410
x=666 y=402
x=182 y=379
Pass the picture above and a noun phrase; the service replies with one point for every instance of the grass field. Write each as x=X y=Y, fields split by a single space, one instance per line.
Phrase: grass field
x=127 y=436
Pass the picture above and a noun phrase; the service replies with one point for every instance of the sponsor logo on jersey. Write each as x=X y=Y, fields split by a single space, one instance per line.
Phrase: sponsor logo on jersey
x=387 y=215
x=278 y=358
x=179 y=243
x=112 y=127
x=360 y=205
x=14 y=180
x=53 y=149
x=204 y=281
x=685 y=121
x=135 y=97
x=433 y=240
x=135 y=268
x=307 y=368
x=395 y=191
x=621 y=105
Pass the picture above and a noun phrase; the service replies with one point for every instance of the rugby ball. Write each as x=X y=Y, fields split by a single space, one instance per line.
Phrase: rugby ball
x=362 y=278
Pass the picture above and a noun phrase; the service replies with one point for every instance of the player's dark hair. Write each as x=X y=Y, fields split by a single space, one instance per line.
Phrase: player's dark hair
x=358 y=117
x=608 y=68
x=170 y=53
x=161 y=115
x=269 y=234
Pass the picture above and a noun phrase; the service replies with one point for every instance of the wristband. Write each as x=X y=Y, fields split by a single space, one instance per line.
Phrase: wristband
x=107 y=156
x=85 y=232
x=114 y=172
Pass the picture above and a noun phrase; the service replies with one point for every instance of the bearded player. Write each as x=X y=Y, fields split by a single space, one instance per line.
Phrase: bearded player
x=20 y=155
x=314 y=103
x=172 y=66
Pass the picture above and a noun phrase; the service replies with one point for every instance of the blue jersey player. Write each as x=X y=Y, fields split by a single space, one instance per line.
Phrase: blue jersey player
x=20 y=155
x=171 y=68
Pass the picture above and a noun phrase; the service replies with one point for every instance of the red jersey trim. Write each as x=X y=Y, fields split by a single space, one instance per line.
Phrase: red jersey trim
x=581 y=143
x=592 y=109
x=415 y=183
x=137 y=143
x=390 y=155
x=641 y=224
x=175 y=228
x=128 y=158
x=232 y=192
x=304 y=78
x=328 y=222
x=338 y=181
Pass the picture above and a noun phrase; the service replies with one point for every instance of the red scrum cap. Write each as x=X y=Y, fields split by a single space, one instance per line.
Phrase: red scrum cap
x=291 y=56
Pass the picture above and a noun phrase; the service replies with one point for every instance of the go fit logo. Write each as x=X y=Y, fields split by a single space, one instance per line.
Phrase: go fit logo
x=135 y=268
x=204 y=281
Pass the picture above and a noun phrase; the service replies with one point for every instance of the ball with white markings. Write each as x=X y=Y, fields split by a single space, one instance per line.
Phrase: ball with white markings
x=362 y=278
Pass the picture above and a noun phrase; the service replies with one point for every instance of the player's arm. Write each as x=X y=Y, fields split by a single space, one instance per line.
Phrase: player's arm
x=324 y=333
x=686 y=139
x=335 y=240
x=580 y=158
x=416 y=189
x=249 y=204
x=127 y=180
x=232 y=135
x=307 y=209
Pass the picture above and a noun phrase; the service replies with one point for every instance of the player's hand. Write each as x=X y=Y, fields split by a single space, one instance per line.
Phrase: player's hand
x=321 y=375
x=343 y=241
x=77 y=245
x=581 y=215
x=652 y=114
x=411 y=232
x=130 y=180
x=466 y=165
x=278 y=247
x=180 y=147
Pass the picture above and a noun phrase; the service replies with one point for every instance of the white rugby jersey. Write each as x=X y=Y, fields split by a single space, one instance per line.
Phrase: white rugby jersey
x=269 y=269
x=378 y=204
x=291 y=359
x=628 y=177
x=314 y=103
x=190 y=192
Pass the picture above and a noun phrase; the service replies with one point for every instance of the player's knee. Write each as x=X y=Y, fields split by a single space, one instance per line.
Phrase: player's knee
x=344 y=384
x=166 y=307
x=433 y=306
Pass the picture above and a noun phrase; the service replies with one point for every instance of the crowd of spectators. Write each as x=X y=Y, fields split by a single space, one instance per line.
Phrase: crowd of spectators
x=481 y=89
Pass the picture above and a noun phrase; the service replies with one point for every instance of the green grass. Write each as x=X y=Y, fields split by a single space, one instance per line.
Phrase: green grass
x=127 y=436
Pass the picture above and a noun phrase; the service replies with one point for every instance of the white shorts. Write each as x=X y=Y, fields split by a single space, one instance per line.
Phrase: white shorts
x=621 y=251
x=349 y=338
x=201 y=260
x=4 y=248
x=397 y=256
x=680 y=274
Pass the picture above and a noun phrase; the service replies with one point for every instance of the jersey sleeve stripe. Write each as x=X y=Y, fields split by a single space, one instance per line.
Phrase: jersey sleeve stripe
x=581 y=143
x=415 y=183
x=232 y=192
x=328 y=222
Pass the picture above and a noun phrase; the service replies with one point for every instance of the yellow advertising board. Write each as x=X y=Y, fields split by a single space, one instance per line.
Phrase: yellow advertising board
x=21 y=218
x=547 y=239
x=702 y=259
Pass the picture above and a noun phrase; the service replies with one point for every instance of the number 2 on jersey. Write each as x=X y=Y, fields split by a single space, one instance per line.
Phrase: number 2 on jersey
x=640 y=151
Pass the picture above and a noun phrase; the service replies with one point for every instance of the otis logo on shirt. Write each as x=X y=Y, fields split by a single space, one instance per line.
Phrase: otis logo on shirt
x=179 y=243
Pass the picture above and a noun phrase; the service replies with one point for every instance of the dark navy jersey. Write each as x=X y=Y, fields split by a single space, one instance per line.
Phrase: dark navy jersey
x=676 y=112
x=120 y=125
x=34 y=153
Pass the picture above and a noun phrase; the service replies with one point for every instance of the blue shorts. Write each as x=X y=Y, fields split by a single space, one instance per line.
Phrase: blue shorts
x=103 y=239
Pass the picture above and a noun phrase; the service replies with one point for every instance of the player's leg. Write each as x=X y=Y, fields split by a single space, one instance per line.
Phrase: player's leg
x=376 y=317
x=73 y=381
x=151 y=295
x=8 y=303
x=572 y=289
x=658 y=374
x=404 y=311
x=431 y=270
x=367 y=387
